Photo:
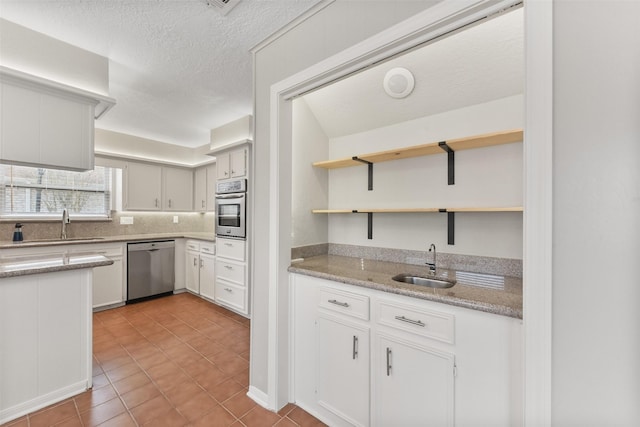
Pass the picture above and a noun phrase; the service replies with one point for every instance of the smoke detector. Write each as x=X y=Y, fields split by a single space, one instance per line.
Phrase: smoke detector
x=222 y=6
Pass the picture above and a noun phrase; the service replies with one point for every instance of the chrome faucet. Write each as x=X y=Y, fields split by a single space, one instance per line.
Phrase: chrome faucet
x=432 y=265
x=65 y=221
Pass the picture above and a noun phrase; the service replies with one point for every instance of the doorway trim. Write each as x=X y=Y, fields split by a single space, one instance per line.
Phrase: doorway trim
x=438 y=20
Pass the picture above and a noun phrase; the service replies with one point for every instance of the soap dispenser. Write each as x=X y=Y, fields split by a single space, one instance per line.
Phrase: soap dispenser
x=17 y=233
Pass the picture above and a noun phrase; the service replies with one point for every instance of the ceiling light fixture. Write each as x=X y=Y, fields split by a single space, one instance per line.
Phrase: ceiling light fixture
x=398 y=82
x=222 y=6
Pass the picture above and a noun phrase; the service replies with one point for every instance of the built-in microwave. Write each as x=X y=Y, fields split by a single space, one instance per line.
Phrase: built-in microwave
x=231 y=209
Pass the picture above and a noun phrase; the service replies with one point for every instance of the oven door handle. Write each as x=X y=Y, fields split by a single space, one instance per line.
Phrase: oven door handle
x=241 y=196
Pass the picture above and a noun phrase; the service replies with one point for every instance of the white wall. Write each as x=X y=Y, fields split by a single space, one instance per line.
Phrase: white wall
x=486 y=177
x=309 y=186
x=34 y=53
x=596 y=214
x=333 y=29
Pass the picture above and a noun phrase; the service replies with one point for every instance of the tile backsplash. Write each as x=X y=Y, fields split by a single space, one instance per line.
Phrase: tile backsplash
x=143 y=223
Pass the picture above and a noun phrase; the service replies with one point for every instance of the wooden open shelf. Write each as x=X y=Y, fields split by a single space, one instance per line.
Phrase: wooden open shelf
x=467 y=143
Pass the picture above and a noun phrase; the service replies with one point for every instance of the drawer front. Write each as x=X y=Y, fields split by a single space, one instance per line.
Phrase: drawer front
x=232 y=249
x=348 y=303
x=231 y=295
x=193 y=245
x=208 y=248
x=428 y=323
x=230 y=271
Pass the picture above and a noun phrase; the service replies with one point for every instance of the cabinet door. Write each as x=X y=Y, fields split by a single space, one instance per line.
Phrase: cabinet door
x=222 y=166
x=343 y=369
x=192 y=270
x=20 y=125
x=238 y=163
x=200 y=190
x=143 y=186
x=413 y=384
x=207 y=276
x=178 y=189
x=107 y=283
x=211 y=187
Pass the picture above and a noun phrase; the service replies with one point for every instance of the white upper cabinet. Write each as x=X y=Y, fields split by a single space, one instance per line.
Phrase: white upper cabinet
x=232 y=164
x=177 y=184
x=143 y=187
x=204 y=189
x=46 y=124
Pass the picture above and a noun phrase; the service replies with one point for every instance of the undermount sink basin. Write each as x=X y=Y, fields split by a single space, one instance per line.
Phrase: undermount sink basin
x=423 y=281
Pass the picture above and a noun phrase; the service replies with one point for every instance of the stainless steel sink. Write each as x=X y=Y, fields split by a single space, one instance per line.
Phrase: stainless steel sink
x=423 y=281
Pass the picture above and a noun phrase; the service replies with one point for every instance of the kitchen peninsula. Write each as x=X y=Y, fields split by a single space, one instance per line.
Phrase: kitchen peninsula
x=45 y=329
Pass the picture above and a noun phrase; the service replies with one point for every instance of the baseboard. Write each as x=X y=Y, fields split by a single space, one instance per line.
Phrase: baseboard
x=40 y=402
x=259 y=397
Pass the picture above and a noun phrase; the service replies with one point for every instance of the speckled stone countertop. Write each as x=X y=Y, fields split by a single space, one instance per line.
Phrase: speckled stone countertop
x=23 y=266
x=8 y=244
x=478 y=291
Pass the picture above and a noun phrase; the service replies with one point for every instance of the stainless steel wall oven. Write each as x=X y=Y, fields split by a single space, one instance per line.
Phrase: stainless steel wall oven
x=231 y=209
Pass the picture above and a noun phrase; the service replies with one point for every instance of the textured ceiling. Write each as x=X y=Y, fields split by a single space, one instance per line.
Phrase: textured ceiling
x=178 y=68
x=479 y=64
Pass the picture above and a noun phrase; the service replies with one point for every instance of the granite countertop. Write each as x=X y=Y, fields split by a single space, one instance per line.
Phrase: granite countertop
x=23 y=266
x=8 y=244
x=478 y=291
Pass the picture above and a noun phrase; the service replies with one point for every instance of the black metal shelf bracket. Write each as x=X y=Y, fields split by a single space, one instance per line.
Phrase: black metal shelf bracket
x=369 y=223
x=451 y=164
x=451 y=222
x=370 y=172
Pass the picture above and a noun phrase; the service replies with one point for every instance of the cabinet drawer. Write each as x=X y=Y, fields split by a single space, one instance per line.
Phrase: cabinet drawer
x=232 y=249
x=230 y=295
x=193 y=245
x=428 y=323
x=208 y=248
x=230 y=271
x=345 y=302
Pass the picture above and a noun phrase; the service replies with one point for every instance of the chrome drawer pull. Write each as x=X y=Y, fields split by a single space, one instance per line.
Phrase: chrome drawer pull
x=228 y=289
x=355 y=347
x=413 y=322
x=228 y=267
x=336 y=302
x=388 y=361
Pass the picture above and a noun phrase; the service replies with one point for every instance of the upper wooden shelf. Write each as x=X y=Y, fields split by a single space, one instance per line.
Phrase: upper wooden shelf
x=477 y=141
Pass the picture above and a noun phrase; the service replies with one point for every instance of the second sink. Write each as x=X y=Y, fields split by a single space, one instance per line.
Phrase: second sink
x=423 y=281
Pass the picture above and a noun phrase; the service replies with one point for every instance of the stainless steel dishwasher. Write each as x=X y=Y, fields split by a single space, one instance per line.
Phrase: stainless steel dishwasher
x=150 y=269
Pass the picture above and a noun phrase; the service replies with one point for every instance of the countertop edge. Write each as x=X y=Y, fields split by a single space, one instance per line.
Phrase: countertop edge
x=53 y=265
x=196 y=235
x=473 y=305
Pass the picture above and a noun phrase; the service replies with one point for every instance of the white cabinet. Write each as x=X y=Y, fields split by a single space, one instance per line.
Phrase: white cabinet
x=428 y=363
x=413 y=384
x=343 y=369
x=177 y=189
x=232 y=164
x=204 y=189
x=151 y=187
x=200 y=268
x=231 y=275
x=143 y=186
x=44 y=126
x=109 y=284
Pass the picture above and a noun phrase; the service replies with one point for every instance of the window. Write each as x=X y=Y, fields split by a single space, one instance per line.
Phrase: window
x=38 y=193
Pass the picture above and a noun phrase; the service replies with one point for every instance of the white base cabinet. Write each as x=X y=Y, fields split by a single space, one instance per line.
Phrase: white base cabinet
x=365 y=357
x=200 y=267
x=231 y=275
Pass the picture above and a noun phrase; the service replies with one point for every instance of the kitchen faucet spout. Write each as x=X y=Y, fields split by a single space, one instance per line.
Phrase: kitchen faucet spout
x=65 y=221
x=432 y=265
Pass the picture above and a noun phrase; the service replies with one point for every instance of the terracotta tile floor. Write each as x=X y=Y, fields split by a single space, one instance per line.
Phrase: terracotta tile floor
x=174 y=361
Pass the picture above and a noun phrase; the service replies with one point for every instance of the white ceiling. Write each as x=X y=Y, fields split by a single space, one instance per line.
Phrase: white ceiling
x=479 y=64
x=178 y=68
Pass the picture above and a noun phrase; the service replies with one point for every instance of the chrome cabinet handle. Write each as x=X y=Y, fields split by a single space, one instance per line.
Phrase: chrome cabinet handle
x=228 y=267
x=388 y=361
x=413 y=322
x=201 y=263
x=203 y=203
x=195 y=262
x=169 y=202
x=228 y=244
x=228 y=289
x=355 y=347
x=336 y=302
x=156 y=203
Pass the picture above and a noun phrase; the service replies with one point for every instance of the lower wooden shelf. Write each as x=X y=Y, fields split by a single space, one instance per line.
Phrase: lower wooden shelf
x=449 y=211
